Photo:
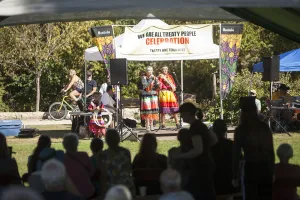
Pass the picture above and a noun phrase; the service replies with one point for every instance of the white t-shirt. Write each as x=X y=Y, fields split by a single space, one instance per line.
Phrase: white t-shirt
x=103 y=88
x=258 y=105
x=107 y=100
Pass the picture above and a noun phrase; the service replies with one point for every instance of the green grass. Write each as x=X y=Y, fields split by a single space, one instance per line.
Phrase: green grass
x=24 y=146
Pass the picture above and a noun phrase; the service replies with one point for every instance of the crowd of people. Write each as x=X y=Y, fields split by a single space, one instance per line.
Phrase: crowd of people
x=204 y=166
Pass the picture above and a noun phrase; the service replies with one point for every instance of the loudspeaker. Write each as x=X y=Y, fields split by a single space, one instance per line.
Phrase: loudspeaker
x=118 y=71
x=271 y=68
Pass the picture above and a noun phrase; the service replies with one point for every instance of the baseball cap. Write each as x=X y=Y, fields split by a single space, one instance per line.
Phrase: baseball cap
x=253 y=91
x=89 y=73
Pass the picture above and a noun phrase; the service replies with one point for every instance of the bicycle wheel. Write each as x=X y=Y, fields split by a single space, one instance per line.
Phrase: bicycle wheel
x=58 y=111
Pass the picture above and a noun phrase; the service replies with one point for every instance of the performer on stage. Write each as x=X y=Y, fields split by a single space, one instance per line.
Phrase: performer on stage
x=96 y=105
x=149 y=99
x=167 y=98
x=75 y=83
x=91 y=87
x=115 y=88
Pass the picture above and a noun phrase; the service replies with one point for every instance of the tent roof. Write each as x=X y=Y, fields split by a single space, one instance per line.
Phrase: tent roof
x=284 y=21
x=289 y=62
x=280 y=16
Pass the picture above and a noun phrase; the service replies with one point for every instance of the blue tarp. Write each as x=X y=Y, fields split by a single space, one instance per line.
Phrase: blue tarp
x=289 y=62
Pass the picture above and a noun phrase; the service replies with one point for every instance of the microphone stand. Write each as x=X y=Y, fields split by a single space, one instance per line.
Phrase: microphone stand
x=181 y=95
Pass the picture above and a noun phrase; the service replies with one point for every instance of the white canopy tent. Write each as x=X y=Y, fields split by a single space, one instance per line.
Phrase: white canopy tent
x=93 y=54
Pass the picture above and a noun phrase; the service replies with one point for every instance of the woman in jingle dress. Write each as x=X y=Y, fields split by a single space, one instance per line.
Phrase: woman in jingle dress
x=149 y=99
x=167 y=98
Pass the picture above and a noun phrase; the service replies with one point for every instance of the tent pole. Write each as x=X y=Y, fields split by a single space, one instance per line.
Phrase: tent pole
x=251 y=82
x=271 y=90
x=181 y=81
x=85 y=63
x=220 y=78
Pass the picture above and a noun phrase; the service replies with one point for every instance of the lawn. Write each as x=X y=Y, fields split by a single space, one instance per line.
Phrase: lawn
x=24 y=146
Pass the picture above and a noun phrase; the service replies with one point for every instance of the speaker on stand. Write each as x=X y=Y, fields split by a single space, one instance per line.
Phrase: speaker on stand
x=119 y=77
x=271 y=67
x=271 y=70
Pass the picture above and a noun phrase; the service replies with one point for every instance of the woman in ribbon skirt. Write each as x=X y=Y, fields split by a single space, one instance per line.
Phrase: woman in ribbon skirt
x=149 y=99
x=167 y=97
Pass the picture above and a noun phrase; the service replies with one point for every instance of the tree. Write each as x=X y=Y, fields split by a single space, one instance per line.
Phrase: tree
x=32 y=50
x=24 y=63
x=34 y=46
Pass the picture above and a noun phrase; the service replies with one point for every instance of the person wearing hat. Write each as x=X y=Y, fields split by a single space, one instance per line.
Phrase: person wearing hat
x=91 y=87
x=200 y=182
x=281 y=92
x=257 y=101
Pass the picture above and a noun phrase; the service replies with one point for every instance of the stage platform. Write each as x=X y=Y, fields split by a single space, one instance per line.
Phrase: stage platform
x=169 y=134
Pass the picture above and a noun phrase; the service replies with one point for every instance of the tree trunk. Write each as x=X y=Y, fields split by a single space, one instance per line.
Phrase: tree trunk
x=38 y=91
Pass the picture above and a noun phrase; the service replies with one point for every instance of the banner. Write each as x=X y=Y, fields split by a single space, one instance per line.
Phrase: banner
x=170 y=39
x=230 y=45
x=103 y=38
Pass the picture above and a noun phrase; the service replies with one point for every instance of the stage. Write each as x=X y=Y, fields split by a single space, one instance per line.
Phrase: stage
x=168 y=134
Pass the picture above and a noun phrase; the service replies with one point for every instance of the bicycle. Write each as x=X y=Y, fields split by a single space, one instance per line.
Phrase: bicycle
x=59 y=110
x=62 y=111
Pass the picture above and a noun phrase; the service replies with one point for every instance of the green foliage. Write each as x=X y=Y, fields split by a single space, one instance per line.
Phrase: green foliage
x=48 y=51
x=3 y=106
x=243 y=83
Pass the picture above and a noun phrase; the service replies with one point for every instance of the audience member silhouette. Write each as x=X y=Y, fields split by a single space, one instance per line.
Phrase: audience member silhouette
x=198 y=159
x=43 y=142
x=254 y=138
x=287 y=176
x=184 y=140
x=118 y=192
x=115 y=163
x=170 y=183
x=96 y=148
x=55 y=180
x=20 y=193
x=181 y=165
x=222 y=153
x=148 y=164
x=9 y=172
x=78 y=166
